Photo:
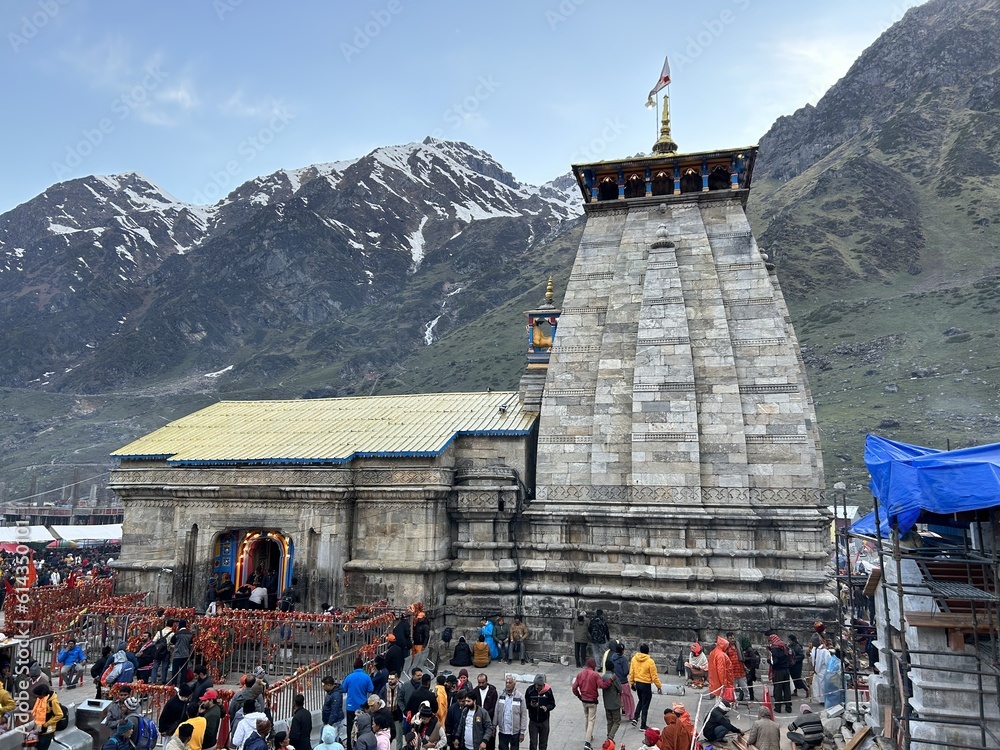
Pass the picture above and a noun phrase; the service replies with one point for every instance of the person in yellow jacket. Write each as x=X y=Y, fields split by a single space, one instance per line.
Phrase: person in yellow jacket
x=442 y=697
x=6 y=701
x=47 y=713
x=642 y=675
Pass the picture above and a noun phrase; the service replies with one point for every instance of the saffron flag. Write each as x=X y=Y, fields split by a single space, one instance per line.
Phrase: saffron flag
x=663 y=81
x=32 y=576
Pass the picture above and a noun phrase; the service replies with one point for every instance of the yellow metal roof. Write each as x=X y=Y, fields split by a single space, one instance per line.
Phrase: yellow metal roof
x=330 y=430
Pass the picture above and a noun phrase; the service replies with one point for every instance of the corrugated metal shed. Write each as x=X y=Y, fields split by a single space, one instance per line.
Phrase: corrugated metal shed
x=330 y=431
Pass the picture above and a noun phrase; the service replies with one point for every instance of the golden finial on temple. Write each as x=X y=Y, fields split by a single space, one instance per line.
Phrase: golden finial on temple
x=665 y=144
x=549 y=293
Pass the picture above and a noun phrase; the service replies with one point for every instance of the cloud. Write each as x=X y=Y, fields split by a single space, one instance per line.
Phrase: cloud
x=237 y=106
x=145 y=86
x=812 y=66
x=183 y=95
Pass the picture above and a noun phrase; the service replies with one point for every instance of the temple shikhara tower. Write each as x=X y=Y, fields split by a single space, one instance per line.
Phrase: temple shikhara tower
x=679 y=476
x=660 y=460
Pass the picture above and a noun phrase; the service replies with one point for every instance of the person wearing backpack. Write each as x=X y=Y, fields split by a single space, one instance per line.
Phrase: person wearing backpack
x=182 y=643
x=795 y=667
x=133 y=712
x=121 y=671
x=144 y=733
x=599 y=635
x=115 y=713
x=48 y=715
x=161 y=656
x=120 y=740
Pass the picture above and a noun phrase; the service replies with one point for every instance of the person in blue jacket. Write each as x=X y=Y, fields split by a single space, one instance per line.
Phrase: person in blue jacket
x=357 y=686
x=486 y=630
x=333 y=705
x=71 y=660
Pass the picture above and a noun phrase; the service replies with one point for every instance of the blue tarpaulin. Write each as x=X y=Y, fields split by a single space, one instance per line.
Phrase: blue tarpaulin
x=909 y=479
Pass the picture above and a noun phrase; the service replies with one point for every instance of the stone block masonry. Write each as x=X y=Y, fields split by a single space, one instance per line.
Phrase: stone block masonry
x=679 y=479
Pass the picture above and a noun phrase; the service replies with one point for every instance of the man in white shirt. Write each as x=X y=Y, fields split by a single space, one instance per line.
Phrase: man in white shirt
x=248 y=723
x=510 y=717
x=258 y=598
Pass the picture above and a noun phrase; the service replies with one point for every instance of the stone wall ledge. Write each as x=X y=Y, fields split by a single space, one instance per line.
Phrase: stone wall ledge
x=397 y=566
x=142 y=565
x=664 y=515
x=487 y=587
x=682 y=552
x=951 y=699
x=483 y=567
x=677 y=574
x=737 y=598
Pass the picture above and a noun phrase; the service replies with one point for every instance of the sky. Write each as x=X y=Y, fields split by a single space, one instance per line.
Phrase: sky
x=201 y=95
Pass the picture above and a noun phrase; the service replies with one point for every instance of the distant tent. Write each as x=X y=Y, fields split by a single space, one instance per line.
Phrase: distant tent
x=89 y=533
x=24 y=534
x=909 y=479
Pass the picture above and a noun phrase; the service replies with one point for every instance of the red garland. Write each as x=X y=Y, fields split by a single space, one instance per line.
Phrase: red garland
x=56 y=609
x=42 y=605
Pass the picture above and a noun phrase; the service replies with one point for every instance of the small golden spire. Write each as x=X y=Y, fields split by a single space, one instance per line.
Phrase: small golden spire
x=549 y=295
x=665 y=144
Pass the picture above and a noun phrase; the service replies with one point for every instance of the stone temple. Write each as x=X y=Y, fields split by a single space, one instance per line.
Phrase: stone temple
x=660 y=460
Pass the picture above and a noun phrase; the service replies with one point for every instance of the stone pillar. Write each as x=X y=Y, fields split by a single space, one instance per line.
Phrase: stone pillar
x=484 y=576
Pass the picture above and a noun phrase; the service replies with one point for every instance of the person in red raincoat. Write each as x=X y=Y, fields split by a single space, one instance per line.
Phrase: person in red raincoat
x=720 y=669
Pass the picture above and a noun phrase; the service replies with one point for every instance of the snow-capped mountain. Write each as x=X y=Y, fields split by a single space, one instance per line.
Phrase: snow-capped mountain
x=106 y=281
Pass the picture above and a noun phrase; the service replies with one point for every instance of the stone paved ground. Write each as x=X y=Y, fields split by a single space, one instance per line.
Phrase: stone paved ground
x=567 y=728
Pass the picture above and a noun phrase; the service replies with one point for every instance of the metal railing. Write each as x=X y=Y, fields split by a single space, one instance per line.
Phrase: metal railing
x=286 y=646
x=308 y=681
x=233 y=643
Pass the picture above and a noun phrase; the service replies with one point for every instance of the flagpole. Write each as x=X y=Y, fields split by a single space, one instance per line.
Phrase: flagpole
x=656 y=120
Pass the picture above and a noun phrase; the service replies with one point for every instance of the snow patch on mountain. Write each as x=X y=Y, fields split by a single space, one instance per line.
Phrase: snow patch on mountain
x=61 y=229
x=416 y=241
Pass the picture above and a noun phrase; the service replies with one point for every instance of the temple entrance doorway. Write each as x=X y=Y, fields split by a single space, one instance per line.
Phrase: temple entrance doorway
x=256 y=557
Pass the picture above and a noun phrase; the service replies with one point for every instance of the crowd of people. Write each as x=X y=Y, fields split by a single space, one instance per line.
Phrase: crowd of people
x=496 y=641
x=728 y=671
x=56 y=566
x=392 y=702
x=259 y=591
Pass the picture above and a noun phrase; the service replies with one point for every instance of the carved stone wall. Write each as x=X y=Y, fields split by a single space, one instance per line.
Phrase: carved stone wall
x=679 y=479
x=375 y=528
